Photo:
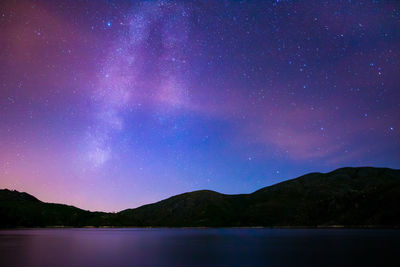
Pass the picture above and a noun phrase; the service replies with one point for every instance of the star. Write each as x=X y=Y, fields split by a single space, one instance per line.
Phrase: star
x=183 y=92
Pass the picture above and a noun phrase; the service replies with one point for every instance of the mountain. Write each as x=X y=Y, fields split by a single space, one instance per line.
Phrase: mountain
x=23 y=210
x=363 y=196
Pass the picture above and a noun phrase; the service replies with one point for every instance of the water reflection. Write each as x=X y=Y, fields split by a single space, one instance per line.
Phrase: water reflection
x=198 y=247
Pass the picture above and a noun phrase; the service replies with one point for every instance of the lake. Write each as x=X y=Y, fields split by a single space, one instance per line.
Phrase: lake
x=199 y=247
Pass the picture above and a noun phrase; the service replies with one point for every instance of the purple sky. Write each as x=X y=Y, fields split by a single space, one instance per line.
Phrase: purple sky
x=107 y=105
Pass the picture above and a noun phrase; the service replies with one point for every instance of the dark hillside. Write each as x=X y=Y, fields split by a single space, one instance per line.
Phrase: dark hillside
x=347 y=196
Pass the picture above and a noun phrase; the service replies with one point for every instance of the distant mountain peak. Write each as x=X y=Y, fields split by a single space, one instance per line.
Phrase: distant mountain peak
x=349 y=196
x=14 y=195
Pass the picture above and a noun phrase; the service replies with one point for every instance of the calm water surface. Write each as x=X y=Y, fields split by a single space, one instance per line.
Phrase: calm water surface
x=199 y=247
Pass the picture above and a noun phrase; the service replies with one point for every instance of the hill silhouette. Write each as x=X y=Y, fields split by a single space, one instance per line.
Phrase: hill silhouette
x=362 y=196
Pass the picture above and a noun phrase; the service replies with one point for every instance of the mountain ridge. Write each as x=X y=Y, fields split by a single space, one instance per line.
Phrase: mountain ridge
x=346 y=196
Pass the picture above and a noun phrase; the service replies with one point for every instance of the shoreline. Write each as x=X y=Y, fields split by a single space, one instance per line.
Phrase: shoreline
x=344 y=227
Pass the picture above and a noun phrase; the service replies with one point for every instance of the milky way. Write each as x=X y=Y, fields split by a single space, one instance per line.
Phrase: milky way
x=110 y=105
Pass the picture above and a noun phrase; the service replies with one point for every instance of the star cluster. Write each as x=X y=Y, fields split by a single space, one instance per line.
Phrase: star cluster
x=108 y=104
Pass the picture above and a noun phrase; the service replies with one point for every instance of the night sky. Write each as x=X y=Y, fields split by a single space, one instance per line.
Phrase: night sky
x=110 y=105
